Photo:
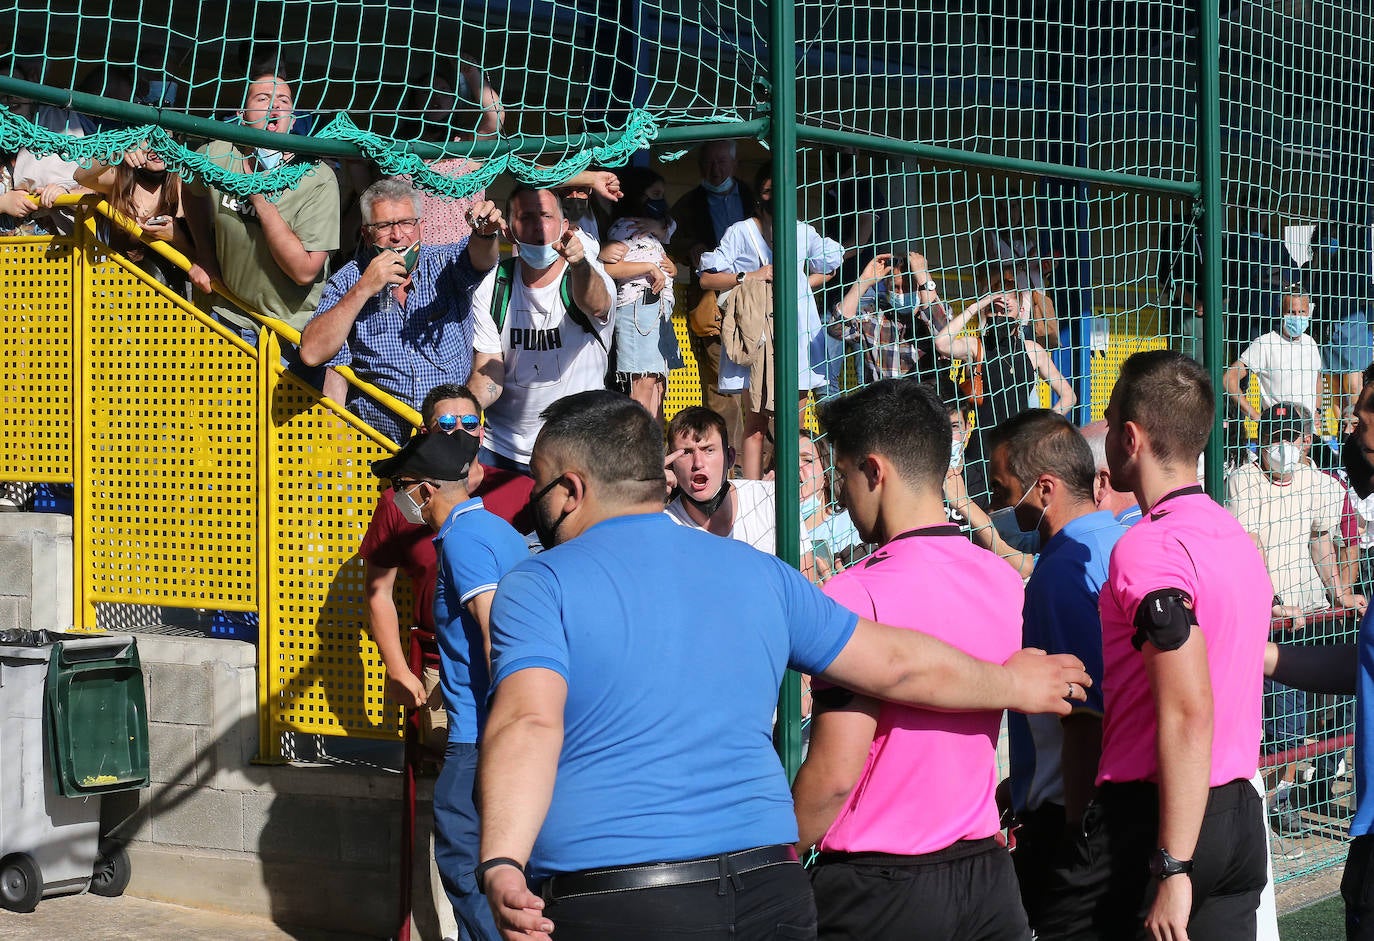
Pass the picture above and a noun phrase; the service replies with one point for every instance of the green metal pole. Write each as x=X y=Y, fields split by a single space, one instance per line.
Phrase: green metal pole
x=210 y=129
x=948 y=156
x=1213 y=221
x=782 y=140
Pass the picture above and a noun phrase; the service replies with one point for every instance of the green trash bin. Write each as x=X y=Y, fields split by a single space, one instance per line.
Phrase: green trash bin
x=73 y=726
x=97 y=718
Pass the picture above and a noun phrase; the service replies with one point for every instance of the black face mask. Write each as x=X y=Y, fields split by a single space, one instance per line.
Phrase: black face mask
x=766 y=205
x=150 y=177
x=574 y=207
x=656 y=208
x=710 y=505
x=546 y=531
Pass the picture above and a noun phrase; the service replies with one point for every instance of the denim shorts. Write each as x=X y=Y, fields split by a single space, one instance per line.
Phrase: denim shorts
x=645 y=343
x=1349 y=345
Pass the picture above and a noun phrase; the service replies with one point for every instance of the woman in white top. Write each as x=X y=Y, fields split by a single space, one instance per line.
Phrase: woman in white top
x=745 y=253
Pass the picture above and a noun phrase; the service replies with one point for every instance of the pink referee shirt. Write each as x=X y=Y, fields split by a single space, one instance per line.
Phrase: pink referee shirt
x=1190 y=543
x=930 y=777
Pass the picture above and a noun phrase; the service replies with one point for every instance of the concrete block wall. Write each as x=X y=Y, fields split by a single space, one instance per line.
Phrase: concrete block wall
x=314 y=847
x=35 y=571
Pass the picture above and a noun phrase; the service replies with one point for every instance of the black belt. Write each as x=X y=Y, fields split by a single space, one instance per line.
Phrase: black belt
x=657 y=875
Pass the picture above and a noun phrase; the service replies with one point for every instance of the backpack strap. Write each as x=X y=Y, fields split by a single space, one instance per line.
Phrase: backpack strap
x=575 y=313
x=501 y=292
x=500 y=295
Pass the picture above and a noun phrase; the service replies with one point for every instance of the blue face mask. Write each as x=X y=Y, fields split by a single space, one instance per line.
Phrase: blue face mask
x=903 y=304
x=1004 y=521
x=1295 y=325
x=538 y=256
x=810 y=505
x=719 y=190
x=269 y=160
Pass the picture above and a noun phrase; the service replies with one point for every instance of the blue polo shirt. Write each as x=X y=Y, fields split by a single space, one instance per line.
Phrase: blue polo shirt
x=474 y=548
x=673 y=643
x=1363 y=823
x=1060 y=616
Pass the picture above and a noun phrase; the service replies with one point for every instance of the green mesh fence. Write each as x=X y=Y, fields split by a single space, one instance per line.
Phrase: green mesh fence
x=1057 y=153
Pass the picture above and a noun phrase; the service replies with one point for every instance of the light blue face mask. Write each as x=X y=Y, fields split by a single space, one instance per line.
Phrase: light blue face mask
x=269 y=160
x=1295 y=325
x=1004 y=521
x=538 y=256
x=810 y=505
x=718 y=189
x=903 y=305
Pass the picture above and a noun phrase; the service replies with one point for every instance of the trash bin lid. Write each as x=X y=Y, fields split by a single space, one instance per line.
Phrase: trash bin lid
x=97 y=720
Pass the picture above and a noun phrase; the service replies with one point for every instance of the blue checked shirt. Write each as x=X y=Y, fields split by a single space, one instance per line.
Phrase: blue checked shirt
x=408 y=351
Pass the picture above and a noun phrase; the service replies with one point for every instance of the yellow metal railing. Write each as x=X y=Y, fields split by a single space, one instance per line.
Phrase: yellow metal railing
x=206 y=476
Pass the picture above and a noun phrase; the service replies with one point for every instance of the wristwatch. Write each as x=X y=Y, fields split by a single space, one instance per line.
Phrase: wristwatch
x=1162 y=865
x=928 y=286
x=739 y=278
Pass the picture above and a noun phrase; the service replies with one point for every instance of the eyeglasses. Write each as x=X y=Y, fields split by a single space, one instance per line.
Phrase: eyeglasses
x=401 y=486
x=383 y=228
x=448 y=424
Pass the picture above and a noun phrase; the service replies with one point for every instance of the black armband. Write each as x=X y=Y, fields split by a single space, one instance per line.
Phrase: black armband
x=834 y=697
x=1165 y=618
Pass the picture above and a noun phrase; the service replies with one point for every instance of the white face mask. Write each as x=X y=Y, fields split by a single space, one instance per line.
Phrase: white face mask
x=956 y=454
x=411 y=510
x=1283 y=458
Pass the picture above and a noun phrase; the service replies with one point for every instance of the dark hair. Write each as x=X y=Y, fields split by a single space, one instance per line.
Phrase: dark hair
x=901 y=419
x=1169 y=396
x=1040 y=441
x=762 y=176
x=634 y=181
x=611 y=438
x=447 y=390
x=697 y=421
x=826 y=455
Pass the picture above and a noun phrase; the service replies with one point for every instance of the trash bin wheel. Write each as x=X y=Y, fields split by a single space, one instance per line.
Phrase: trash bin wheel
x=21 y=884
x=112 y=870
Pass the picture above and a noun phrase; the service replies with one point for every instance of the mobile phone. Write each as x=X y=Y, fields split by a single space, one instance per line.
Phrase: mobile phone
x=156 y=221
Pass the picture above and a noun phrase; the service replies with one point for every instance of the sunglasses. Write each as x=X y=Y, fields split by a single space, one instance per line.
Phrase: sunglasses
x=448 y=424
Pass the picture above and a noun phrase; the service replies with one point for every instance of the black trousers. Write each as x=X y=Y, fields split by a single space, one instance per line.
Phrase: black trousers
x=766 y=904
x=1042 y=840
x=1105 y=889
x=1357 y=889
x=964 y=893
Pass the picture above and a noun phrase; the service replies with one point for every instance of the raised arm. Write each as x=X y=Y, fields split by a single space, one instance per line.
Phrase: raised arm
x=291 y=256
x=588 y=285
x=1065 y=399
x=949 y=343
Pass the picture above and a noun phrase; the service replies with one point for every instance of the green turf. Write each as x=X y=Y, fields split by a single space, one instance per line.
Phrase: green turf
x=1324 y=921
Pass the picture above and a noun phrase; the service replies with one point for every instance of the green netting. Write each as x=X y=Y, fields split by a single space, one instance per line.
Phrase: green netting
x=1073 y=134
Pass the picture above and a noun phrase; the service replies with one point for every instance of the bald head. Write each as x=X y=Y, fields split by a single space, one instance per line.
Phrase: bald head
x=1104 y=495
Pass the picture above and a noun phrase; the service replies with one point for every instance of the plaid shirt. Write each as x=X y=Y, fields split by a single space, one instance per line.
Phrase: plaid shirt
x=889 y=342
x=408 y=351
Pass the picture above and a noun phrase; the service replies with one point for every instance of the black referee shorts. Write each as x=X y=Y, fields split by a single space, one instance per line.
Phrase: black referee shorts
x=1104 y=889
x=966 y=892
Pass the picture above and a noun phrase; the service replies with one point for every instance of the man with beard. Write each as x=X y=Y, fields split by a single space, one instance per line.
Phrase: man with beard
x=628 y=784
x=704 y=498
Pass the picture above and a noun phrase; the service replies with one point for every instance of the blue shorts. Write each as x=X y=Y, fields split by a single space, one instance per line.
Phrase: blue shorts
x=645 y=343
x=1349 y=345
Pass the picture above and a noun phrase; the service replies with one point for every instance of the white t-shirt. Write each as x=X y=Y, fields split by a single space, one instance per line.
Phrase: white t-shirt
x=755 y=518
x=1285 y=517
x=743 y=249
x=547 y=356
x=1288 y=370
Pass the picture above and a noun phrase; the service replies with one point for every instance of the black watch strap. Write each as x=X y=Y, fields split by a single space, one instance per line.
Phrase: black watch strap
x=1162 y=865
x=479 y=874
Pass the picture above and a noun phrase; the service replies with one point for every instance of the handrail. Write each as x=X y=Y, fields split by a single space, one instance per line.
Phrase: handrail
x=282 y=329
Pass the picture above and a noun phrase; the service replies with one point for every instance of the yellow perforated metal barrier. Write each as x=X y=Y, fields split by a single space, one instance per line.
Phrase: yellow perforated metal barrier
x=36 y=314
